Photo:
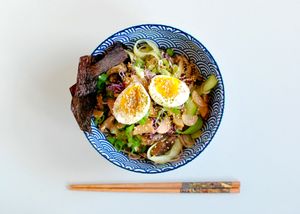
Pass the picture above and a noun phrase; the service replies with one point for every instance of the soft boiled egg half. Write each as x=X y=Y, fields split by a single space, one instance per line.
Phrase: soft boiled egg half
x=132 y=104
x=168 y=91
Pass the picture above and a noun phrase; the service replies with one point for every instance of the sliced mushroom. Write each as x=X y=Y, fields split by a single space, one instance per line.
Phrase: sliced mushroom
x=107 y=124
x=164 y=126
x=110 y=102
x=114 y=78
x=198 y=99
x=100 y=102
x=204 y=112
x=120 y=125
x=146 y=140
x=159 y=137
x=161 y=148
x=206 y=98
x=184 y=64
x=146 y=128
x=178 y=121
x=186 y=140
x=188 y=119
x=97 y=113
x=152 y=112
x=151 y=139
x=196 y=73
x=117 y=69
x=202 y=104
x=114 y=130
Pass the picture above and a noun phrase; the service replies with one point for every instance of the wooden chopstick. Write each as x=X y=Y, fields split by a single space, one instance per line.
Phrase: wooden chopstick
x=172 y=187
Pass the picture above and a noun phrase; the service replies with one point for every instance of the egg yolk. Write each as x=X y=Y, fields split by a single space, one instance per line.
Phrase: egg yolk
x=134 y=100
x=168 y=86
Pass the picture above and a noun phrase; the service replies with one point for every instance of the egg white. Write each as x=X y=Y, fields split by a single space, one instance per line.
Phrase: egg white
x=130 y=118
x=181 y=97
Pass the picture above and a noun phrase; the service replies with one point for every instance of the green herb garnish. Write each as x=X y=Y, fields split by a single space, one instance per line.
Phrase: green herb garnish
x=111 y=139
x=173 y=110
x=99 y=120
x=144 y=119
x=101 y=82
x=170 y=51
x=139 y=62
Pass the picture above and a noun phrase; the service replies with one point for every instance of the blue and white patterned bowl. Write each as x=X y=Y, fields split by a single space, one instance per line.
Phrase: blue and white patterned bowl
x=183 y=43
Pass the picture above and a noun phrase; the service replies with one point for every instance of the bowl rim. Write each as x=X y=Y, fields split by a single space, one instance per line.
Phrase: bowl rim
x=168 y=169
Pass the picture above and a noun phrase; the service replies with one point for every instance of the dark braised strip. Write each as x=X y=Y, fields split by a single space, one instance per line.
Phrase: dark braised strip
x=82 y=108
x=84 y=91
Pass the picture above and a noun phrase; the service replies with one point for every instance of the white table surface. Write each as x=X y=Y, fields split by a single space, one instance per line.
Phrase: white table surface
x=256 y=44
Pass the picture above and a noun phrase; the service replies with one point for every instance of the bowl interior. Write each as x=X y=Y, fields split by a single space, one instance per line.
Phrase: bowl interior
x=182 y=43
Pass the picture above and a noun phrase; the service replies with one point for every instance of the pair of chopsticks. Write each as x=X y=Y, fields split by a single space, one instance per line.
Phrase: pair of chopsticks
x=173 y=187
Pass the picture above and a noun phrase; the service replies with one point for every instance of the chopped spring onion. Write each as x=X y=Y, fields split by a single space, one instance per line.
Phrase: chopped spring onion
x=144 y=119
x=99 y=120
x=134 y=143
x=165 y=63
x=173 y=110
x=119 y=144
x=139 y=62
x=151 y=67
x=170 y=51
x=190 y=107
x=165 y=72
x=140 y=72
x=138 y=66
x=101 y=81
x=209 y=84
x=103 y=77
x=155 y=70
x=129 y=130
x=177 y=71
x=111 y=139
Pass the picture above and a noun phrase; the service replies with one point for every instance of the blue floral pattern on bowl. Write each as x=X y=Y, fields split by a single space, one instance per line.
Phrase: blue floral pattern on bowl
x=182 y=43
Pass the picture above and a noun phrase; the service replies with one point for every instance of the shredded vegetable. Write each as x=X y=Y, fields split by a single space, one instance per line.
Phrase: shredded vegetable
x=144 y=47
